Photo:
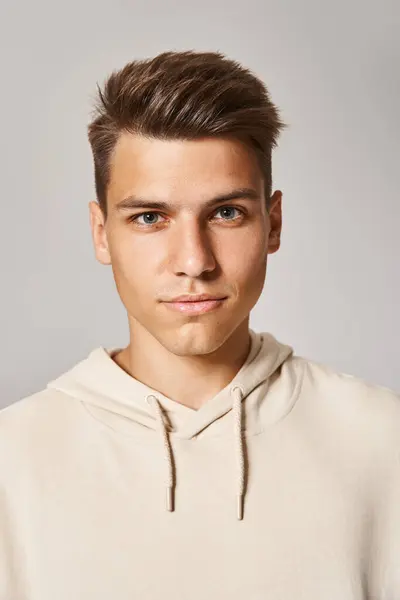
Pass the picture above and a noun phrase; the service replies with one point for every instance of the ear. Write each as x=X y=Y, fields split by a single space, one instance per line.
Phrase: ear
x=275 y=217
x=99 y=234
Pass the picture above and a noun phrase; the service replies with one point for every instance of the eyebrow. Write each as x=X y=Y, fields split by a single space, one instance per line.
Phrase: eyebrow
x=133 y=201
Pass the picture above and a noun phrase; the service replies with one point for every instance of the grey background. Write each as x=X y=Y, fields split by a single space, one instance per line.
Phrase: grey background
x=332 y=290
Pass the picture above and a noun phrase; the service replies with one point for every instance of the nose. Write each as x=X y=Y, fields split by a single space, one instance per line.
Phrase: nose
x=192 y=252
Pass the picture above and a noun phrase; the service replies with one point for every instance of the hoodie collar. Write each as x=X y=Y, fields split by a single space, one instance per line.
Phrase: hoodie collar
x=99 y=381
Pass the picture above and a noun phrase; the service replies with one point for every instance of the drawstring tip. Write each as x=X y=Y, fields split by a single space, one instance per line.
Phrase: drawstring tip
x=170 y=504
x=240 y=508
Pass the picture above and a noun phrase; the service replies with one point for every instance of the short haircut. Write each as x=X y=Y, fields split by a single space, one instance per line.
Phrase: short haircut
x=183 y=95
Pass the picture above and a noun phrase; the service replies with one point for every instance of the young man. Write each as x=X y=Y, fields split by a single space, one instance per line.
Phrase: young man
x=204 y=460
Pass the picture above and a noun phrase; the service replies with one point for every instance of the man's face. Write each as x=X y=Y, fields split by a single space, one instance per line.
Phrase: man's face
x=187 y=248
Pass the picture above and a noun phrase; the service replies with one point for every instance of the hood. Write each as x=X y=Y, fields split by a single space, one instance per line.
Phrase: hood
x=99 y=381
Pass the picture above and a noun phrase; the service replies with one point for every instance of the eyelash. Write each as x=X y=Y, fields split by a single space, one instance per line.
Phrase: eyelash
x=134 y=218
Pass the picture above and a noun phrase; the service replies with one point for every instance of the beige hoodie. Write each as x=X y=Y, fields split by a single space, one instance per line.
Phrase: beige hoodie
x=285 y=485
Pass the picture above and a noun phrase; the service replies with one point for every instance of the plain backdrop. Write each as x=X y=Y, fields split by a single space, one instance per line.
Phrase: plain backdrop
x=333 y=68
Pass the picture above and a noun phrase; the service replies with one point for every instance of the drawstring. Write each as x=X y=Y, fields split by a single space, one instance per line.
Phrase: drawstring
x=237 y=406
x=237 y=413
x=169 y=482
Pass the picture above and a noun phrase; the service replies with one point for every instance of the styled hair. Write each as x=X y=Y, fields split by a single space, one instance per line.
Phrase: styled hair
x=183 y=95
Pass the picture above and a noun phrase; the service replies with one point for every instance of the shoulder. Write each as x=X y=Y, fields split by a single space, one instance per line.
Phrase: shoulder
x=35 y=411
x=362 y=406
x=333 y=381
x=34 y=425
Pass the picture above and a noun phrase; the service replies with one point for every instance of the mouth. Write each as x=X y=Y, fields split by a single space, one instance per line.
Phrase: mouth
x=196 y=307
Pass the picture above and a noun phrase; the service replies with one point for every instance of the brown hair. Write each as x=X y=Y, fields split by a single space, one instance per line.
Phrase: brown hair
x=183 y=95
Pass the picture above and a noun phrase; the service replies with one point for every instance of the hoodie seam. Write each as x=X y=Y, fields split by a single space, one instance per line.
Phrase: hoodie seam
x=300 y=371
x=299 y=368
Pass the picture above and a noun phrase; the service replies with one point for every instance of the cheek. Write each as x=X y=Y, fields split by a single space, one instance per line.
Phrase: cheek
x=247 y=261
x=127 y=263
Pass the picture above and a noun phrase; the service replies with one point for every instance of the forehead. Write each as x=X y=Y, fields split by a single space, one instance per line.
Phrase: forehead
x=181 y=168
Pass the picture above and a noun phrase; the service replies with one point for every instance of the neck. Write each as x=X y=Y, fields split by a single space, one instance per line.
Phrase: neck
x=202 y=368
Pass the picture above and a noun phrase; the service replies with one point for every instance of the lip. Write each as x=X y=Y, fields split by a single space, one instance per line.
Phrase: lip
x=195 y=308
x=195 y=298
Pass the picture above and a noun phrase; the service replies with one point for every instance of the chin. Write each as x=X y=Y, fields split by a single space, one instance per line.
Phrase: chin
x=196 y=339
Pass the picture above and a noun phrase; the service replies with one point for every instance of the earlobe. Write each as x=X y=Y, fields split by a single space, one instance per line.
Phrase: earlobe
x=101 y=246
x=103 y=254
x=99 y=234
x=274 y=242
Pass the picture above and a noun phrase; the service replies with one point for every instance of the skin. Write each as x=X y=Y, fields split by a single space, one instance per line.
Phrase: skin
x=187 y=248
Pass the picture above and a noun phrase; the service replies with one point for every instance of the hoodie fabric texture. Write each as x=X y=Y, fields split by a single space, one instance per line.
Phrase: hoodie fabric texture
x=285 y=485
